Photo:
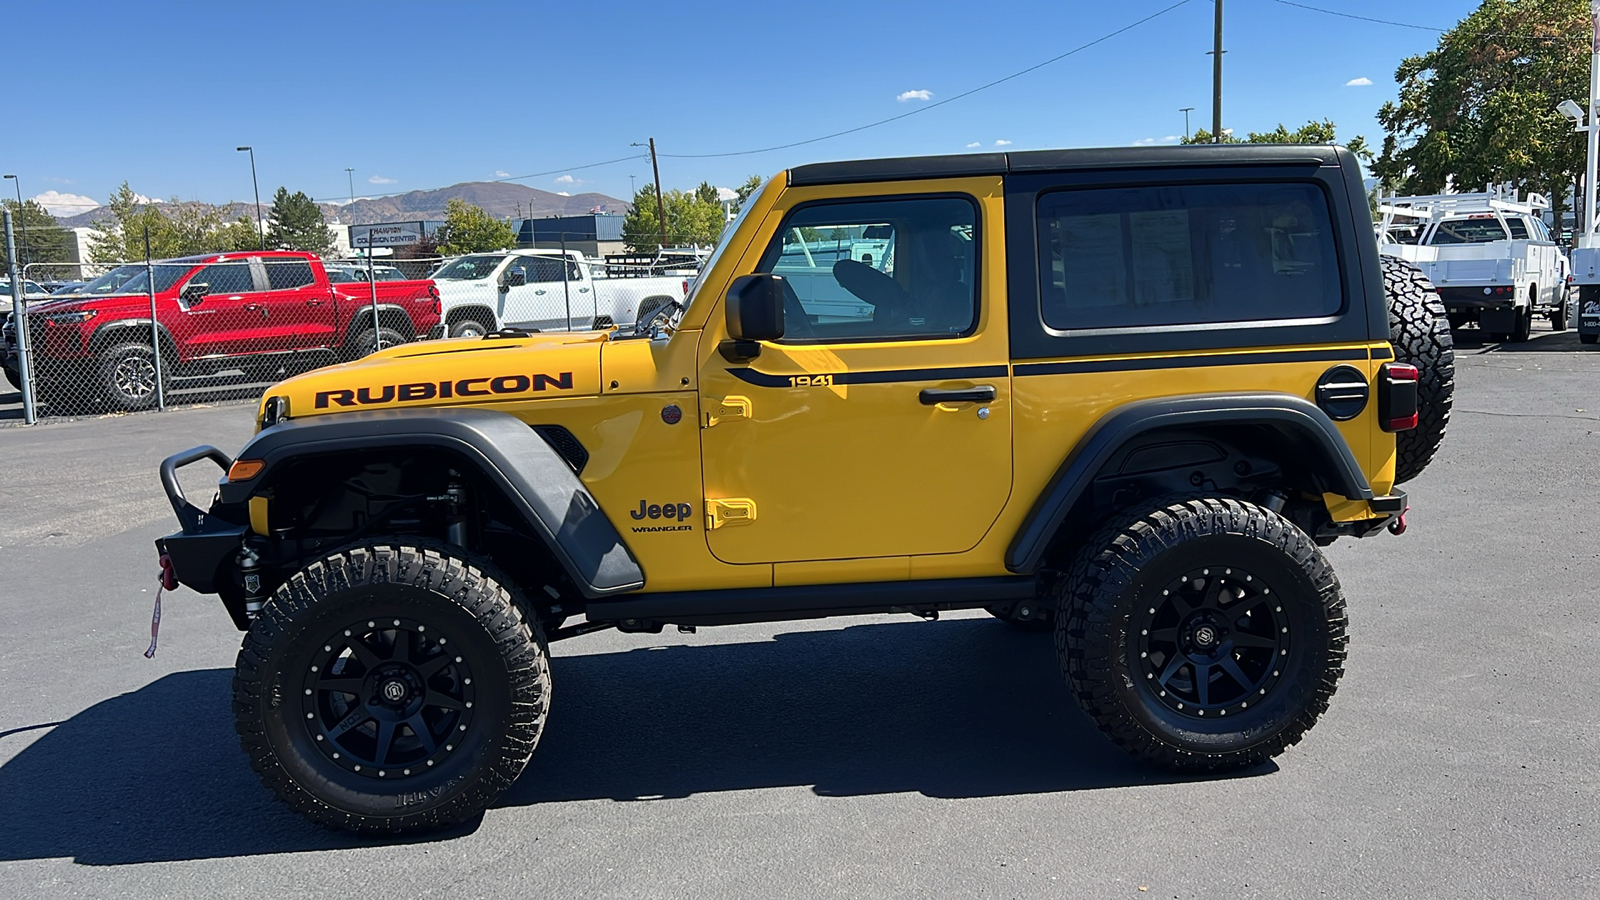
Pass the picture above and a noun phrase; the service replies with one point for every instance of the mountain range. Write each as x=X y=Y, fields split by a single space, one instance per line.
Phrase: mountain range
x=500 y=199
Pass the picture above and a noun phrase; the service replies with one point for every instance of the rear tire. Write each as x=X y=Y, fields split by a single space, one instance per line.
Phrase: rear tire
x=1420 y=334
x=1202 y=635
x=1523 y=329
x=366 y=343
x=1558 y=316
x=360 y=723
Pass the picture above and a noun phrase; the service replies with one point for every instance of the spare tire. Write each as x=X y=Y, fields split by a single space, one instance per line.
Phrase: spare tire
x=1420 y=332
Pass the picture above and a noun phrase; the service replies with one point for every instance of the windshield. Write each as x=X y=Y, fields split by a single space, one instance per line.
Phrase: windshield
x=1469 y=231
x=110 y=282
x=28 y=287
x=166 y=277
x=470 y=268
x=728 y=232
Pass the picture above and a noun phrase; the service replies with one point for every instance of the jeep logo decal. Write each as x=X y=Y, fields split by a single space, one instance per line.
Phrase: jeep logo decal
x=679 y=511
x=443 y=390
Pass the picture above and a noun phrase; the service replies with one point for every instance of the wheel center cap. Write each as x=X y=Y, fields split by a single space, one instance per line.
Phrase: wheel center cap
x=395 y=691
x=1205 y=636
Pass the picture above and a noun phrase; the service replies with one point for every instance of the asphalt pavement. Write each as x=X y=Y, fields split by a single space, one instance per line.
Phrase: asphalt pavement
x=876 y=756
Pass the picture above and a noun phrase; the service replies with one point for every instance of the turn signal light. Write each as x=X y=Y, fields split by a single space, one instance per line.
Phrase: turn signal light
x=245 y=469
x=1397 y=396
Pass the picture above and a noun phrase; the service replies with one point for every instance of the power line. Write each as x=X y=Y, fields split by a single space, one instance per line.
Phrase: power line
x=1345 y=15
x=1054 y=59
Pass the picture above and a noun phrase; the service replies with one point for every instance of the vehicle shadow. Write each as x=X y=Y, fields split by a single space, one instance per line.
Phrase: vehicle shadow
x=967 y=708
x=1474 y=341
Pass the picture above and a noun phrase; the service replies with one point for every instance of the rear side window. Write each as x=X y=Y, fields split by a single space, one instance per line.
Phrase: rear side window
x=1186 y=254
x=285 y=274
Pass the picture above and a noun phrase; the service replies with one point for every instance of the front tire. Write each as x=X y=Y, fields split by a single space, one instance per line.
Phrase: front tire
x=1202 y=635
x=391 y=689
x=468 y=328
x=366 y=343
x=128 y=376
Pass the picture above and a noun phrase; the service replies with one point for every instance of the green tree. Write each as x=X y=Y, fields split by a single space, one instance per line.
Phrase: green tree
x=40 y=239
x=1313 y=132
x=468 y=229
x=750 y=186
x=175 y=228
x=694 y=217
x=1480 y=108
x=295 y=223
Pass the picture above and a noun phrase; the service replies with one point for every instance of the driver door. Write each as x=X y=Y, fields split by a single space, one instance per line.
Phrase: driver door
x=880 y=424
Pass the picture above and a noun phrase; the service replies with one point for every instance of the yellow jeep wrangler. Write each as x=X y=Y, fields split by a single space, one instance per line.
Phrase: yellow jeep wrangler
x=1121 y=394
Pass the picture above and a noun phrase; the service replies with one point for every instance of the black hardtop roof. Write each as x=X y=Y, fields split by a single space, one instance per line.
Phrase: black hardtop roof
x=914 y=167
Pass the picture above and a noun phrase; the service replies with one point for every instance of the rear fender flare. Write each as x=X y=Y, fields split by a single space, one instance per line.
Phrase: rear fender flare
x=1306 y=427
x=554 y=504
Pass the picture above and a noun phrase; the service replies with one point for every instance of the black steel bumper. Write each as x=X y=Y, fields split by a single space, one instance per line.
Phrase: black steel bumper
x=206 y=543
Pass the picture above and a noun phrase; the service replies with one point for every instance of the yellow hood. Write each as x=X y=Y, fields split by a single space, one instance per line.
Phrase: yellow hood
x=469 y=371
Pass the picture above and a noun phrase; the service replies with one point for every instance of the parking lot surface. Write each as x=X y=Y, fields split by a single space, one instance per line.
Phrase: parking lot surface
x=878 y=756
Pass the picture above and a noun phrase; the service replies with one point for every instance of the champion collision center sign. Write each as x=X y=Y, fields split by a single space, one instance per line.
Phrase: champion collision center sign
x=397 y=234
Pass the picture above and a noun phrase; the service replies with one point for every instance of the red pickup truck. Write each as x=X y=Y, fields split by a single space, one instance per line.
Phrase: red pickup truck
x=253 y=311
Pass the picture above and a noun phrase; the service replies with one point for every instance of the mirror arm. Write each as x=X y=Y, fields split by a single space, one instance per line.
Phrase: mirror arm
x=739 y=351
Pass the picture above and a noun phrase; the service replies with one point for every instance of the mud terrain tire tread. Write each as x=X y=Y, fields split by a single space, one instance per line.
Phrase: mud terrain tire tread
x=1419 y=329
x=1091 y=645
x=480 y=591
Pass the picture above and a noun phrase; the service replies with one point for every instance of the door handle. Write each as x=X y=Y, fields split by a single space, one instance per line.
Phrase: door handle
x=935 y=396
x=252 y=307
x=314 y=301
x=583 y=290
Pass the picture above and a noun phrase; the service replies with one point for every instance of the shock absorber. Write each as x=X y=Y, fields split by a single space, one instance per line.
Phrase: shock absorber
x=250 y=571
x=455 y=519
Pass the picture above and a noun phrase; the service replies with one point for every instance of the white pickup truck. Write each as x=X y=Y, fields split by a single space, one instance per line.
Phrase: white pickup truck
x=1489 y=254
x=543 y=290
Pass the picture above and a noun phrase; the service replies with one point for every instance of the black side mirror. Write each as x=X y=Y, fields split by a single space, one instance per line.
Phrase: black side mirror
x=755 y=313
x=515 y=278
x=193 y=293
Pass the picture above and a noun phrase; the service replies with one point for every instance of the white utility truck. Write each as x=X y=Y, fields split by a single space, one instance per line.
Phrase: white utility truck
x=1490 y=255
x=543 y=290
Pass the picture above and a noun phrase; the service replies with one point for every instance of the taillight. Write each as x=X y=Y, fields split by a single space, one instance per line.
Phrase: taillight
x=686 y=287
x=1397 y=396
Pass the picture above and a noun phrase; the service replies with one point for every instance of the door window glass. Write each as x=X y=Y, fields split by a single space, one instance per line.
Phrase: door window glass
x=878 y=269
x=226 y=278
x=287 y=274
x=1183 y=254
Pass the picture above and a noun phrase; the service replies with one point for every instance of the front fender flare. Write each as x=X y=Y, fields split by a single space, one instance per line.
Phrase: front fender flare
x=511 y=456
x=1301 y=422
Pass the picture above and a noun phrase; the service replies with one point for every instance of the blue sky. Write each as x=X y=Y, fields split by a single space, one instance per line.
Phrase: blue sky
x=423 y=95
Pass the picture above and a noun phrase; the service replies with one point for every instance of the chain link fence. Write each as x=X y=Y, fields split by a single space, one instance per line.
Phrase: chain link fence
x=147 y=334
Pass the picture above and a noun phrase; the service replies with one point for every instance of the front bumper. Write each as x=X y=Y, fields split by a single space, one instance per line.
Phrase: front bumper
x=201 y=552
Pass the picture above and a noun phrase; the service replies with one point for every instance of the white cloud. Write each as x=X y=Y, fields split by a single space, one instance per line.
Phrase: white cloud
x=1359 y=82
x=1002 y=143
x=59 y=204
x=500 y=173
x=140 y=198
x=379 y=179
x=908 y=96
x=1151 y=142
x=1169 y=139
x=975 y=144
x=568 y=179
x=563 y=194
x=725 y=194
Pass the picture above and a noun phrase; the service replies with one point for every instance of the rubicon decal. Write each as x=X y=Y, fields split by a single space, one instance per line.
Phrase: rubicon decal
x=444 y=390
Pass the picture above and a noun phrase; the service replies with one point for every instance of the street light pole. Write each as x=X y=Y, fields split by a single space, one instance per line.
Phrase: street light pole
x=21 y=223
x=1216 y=80
x=1186 y=110
x=254 y=184
x=350 y=174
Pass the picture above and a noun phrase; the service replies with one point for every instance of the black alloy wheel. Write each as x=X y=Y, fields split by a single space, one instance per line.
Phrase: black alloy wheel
x=1214 y=641
x=385 y=697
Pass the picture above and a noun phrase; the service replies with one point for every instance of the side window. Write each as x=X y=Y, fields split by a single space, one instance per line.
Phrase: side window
x=226 y=278
x=1186 y=254
x=1519 y=229
x=286 y=274
x=878 y=269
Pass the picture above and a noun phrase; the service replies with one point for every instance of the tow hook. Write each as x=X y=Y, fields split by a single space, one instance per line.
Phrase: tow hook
x=1398 y=526
x=169 y=578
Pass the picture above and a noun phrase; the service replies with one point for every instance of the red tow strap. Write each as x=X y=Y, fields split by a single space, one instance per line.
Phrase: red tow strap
x=167 y=581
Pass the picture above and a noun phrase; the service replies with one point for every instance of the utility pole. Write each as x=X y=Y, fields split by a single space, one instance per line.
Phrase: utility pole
x=1216 y=80
x=260 y=228
x=1186 y=110
x=661 y=204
